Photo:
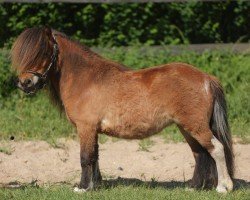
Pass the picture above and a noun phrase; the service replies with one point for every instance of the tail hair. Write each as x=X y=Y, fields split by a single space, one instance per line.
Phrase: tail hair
x=219 y=124
x=205 y=173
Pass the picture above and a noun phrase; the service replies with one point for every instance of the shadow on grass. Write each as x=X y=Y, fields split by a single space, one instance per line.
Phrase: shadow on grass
x=137 y=182
x=241 y=184
x=238 y=183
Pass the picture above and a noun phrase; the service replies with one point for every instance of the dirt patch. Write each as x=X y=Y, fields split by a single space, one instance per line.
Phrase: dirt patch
x=40 y=162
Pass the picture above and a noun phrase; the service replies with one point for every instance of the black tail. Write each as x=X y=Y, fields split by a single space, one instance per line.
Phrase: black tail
x=205 y=173
x=219 y=124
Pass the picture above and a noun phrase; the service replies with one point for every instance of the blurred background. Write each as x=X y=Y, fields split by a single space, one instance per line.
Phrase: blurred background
x=127 y=24
x=213 y=36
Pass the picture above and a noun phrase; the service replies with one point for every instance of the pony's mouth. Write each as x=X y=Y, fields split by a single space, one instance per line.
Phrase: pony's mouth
x=29 y=90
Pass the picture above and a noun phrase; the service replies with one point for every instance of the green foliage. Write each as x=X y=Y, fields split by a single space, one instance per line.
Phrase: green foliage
x=145 y=144
x=34 y=117
x=134 y=23
x=6 y=150
x=6 y=77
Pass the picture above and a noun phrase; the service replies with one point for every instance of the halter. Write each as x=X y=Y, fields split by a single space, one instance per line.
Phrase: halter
x=43 y=76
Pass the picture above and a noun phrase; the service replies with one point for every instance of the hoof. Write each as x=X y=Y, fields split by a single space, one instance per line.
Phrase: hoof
x=82 y=190
x=225 y=186
x=79 y=190
x=221 y=189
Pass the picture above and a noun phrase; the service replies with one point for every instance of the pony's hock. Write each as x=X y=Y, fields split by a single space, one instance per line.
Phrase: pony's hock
x=102 y=96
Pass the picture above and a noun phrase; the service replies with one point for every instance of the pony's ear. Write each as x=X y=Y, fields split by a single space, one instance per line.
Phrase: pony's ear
x=47 y=31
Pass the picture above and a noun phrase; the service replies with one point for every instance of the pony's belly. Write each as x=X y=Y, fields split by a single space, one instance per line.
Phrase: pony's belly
x=133 y=130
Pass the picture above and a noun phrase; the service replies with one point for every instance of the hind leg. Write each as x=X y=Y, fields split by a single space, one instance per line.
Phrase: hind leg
x=205 y=174
x=216 y=150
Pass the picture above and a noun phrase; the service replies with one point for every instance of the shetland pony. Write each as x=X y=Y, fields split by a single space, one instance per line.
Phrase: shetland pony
x=102 y=96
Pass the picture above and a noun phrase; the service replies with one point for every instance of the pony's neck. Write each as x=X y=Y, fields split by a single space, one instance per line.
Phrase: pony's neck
x=75 y=57
x=78 y=63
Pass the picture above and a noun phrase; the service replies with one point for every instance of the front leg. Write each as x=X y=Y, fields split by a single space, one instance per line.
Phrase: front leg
x=97 y=177
x=89 y=159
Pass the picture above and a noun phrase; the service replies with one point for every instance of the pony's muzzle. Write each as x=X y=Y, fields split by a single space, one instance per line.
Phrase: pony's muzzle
x=26 y=83
x=30 y=85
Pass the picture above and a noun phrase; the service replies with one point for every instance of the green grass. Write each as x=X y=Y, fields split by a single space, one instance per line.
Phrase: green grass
x=6 y=150
x=35 y=118
x=119 y=192
x=145 y=144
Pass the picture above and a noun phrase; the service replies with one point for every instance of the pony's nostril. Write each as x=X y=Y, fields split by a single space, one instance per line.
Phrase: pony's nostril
x=27 y=82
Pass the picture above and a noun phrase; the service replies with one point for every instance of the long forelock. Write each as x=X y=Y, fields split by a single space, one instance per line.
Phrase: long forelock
x=30 y=49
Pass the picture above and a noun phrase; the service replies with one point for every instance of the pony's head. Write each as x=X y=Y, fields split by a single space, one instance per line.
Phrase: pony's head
x=33 y=54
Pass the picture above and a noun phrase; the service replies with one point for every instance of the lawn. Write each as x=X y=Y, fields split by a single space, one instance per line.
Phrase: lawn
x=120 y=191
x=33 y=117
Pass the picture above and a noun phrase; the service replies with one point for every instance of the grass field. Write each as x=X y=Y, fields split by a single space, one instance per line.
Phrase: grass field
x=131 y=192
x=34 y=117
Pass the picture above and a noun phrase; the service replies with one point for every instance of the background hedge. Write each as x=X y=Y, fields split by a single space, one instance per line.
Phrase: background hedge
x=129 y=24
